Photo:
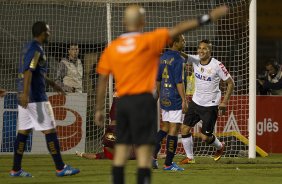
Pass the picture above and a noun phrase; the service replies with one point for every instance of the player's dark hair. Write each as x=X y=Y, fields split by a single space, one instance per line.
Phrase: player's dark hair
x=72 y=44
x=206 y=41
x=68 y=47
x=175 y=39
x=38 y=28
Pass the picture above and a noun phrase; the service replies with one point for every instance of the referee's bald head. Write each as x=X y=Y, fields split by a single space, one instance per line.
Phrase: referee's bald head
x=134 y=17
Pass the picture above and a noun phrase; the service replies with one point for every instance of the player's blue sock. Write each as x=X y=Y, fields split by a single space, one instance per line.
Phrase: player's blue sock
x=171 y=145
x=19 y=150
x=54 y=149
x=118 y=175
x=160 y=135
x=144 y=176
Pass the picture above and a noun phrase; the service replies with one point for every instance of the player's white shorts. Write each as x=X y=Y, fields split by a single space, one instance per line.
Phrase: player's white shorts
x=172 y=116
x=37 y=115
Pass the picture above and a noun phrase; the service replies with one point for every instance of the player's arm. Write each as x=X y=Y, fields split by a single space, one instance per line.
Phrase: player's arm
x=181 y=91
x=2 y=92
x=185 y=26
x=24 y=96
x=179 y=80
x=100 y=99
x=158 y=84
x=30 y=62
x=55 y=86
x=229 y=90
x=183 y=54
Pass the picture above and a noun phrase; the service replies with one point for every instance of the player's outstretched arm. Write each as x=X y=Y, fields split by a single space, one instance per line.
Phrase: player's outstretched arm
x=185 y=26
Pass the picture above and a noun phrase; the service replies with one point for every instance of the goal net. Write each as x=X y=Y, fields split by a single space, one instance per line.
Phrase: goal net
x=92 y=24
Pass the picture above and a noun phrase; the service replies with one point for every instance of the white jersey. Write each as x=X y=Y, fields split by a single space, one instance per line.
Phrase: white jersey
x=207 y=79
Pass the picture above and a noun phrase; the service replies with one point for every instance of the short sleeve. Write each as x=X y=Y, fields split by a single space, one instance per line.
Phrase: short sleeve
x=222 y=72
x=104 y=64
x=31 y=59
x=193 y=58
x=158 y=39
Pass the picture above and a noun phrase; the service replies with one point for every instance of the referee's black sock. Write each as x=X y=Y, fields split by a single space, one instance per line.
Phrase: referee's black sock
x=54 y=149
x=160 y=135
x=19 y=150
x=171 y=145
x=144 y=176
x=118 y=175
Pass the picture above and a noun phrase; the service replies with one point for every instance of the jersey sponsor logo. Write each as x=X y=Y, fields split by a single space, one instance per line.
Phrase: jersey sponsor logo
x=209 y=71
x=166 y=102
x=202 y=77
x=223 y=69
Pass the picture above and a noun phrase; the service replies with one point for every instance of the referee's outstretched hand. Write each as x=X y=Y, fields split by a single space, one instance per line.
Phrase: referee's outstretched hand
x=99 y=118
x=218 y=12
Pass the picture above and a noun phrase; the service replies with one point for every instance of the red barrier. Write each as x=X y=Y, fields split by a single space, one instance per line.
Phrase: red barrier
x=269 y=123
x=269 y=120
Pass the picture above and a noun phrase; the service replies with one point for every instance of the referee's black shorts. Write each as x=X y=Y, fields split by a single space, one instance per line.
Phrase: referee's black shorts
x=136 y=119
x=207 y=114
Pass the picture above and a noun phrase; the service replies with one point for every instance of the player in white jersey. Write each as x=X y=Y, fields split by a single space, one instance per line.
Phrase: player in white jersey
x=206 y=103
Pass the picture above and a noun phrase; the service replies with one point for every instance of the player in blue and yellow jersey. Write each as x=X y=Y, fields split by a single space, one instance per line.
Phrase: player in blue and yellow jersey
x=35 y=111
x=171 y=90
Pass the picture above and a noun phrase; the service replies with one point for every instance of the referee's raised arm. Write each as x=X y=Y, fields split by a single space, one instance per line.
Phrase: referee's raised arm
x=185 y=26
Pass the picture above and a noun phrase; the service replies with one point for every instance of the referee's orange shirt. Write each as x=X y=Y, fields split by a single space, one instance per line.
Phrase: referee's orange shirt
x=133 y=59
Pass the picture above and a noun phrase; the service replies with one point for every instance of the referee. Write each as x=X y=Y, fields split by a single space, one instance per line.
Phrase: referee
x=133 y=59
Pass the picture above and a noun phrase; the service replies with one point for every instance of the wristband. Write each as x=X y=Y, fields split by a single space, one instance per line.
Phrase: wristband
x=204 y=19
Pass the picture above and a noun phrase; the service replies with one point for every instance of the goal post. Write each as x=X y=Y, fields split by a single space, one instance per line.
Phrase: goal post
x=252 y=78
x=95 y=23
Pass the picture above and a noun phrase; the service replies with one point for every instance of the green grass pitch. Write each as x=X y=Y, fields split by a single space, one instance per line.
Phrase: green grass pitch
x=266 y=170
